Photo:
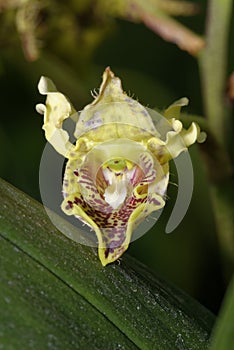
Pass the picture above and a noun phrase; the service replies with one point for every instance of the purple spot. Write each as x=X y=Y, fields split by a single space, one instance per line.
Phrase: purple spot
x=154 y=201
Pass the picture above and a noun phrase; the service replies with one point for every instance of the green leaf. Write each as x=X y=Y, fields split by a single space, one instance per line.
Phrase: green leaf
x=224 y=328
x=55 y=294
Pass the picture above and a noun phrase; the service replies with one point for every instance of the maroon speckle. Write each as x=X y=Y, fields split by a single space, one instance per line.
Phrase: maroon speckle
x=107 y=252
x=77 y=201
x=69 y=205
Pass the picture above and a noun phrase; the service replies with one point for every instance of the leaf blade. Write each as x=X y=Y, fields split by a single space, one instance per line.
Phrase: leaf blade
x=224 y=327
x=42 y=312
x=143 y=308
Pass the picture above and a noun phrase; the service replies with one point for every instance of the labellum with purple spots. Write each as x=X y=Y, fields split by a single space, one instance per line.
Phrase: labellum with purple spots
x=118 y=169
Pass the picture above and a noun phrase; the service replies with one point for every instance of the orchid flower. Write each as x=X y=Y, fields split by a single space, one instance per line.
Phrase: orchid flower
x=118 y=169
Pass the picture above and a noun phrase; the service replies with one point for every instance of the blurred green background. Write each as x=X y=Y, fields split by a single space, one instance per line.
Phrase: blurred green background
x=76 y=44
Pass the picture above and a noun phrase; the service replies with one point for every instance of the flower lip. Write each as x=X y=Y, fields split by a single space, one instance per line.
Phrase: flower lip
x=116 y=196
x=118 y=181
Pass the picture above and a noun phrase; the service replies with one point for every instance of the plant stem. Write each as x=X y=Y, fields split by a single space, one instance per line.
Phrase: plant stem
x=213 y=64
x=222 y=198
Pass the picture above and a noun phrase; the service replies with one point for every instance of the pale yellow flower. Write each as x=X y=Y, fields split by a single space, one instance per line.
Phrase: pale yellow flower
x=118 y=170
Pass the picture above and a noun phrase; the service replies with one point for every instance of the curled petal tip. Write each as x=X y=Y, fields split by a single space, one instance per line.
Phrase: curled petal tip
x=202 y=137
x=46 y=86
x=173 y=111
x=40 y=108
x=184 y=101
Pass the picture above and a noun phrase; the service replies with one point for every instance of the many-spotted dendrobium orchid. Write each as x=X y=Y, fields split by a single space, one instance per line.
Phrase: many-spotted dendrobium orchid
x=118 y=169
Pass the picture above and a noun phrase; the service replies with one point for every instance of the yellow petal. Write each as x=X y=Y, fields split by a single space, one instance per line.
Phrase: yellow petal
x=173 y=111
x=56 y=110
